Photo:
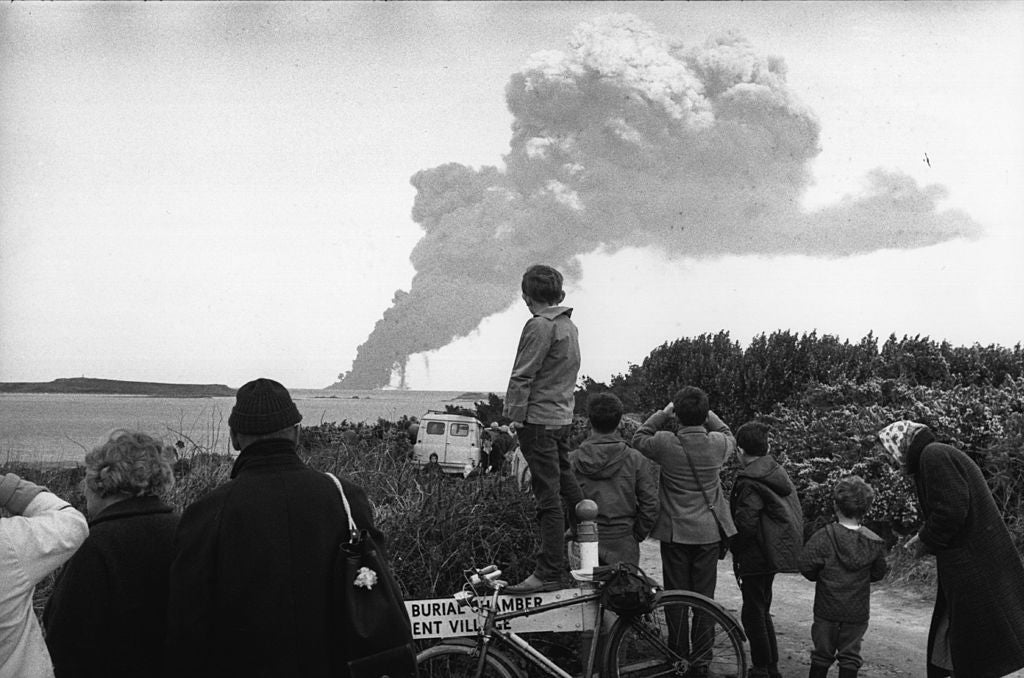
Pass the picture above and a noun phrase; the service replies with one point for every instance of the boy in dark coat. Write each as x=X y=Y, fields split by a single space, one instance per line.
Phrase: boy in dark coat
x=619 y=479
x=843 y=558
x=769 y=536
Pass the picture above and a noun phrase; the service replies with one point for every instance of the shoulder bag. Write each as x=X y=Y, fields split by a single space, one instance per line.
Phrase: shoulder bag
x=723 y=539
x=375 y=632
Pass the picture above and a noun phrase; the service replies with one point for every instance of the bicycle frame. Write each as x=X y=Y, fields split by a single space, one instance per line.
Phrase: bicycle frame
x=491 y=631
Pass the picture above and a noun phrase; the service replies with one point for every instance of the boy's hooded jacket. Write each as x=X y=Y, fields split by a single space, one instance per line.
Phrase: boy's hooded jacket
x=619 y=479
x=843 y=562
x=769 y=520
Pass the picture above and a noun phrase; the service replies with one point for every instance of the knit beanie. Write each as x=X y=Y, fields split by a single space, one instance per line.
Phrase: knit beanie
x=263 y=406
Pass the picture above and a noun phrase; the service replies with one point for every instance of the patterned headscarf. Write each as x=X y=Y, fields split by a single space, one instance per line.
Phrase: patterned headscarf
x=896 y=438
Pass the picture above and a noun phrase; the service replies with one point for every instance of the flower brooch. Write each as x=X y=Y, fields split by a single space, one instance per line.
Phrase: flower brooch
x=366 y=578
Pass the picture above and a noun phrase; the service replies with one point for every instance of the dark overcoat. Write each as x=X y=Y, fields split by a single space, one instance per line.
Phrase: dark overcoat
x=114 y=590
x=252 y=576
x=980 y=574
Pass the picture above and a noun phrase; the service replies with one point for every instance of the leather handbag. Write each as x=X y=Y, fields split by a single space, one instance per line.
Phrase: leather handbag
x=376 y=635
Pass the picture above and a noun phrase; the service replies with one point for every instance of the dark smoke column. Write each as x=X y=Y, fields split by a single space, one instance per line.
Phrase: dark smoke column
x=633 y=139
x=478 y=231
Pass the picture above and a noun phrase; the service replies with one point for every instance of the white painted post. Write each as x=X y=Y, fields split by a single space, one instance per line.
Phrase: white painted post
x=586 y=535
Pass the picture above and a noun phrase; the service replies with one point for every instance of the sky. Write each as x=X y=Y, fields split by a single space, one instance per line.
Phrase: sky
x=212 y=192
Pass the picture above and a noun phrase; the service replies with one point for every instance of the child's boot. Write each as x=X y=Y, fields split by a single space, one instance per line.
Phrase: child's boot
x=817 y=671
x=847 y=672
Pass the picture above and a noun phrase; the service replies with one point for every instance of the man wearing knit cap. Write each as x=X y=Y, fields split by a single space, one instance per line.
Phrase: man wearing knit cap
x=252 y=573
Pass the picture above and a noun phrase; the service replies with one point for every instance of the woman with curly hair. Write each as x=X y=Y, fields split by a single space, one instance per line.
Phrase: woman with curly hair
x=115 y=586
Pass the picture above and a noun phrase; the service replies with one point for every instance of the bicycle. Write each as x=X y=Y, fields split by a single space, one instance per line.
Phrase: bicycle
x=655 y=643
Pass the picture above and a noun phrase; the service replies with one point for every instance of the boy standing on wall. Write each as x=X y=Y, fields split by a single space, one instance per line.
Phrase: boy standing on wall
x=843 y=558
x=769 y=536
x=539 y=401
x=619 y=479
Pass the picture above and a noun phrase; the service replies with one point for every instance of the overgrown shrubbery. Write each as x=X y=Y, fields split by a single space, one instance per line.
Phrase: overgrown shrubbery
x=826 y=400
x=435 y=526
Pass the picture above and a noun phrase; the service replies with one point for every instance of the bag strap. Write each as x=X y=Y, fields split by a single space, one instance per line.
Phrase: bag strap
x=711 y=507
x=353 y=529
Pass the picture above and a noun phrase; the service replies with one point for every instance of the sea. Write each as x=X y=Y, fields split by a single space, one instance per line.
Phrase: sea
x=61 y=428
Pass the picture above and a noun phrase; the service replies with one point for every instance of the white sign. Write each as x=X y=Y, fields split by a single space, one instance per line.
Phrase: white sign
x=444 y=618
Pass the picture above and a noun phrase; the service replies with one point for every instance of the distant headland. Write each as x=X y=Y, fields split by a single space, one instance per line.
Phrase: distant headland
x=115 y=387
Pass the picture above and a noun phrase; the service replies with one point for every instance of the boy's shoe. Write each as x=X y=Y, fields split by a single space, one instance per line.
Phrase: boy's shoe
x=532 y=584
x=817 y=671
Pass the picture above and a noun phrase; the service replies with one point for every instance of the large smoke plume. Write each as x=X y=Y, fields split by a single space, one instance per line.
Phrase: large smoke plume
x=632 y=139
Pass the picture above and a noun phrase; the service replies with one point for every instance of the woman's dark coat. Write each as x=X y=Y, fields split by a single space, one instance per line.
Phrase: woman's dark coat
x=252 y=575
x=107 y=613
x=980 y=574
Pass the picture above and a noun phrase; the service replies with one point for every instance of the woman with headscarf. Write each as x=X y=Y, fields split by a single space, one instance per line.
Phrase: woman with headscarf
x=106 y=616
x=977 y=627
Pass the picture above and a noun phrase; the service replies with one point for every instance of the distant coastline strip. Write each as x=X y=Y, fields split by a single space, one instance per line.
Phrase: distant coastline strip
x=116 y=387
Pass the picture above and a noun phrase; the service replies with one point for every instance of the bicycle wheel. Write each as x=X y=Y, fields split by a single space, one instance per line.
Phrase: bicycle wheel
x=459 y=661
x=685 y=634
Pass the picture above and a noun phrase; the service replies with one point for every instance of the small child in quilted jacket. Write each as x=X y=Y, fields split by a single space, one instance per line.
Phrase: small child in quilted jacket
x=843 y=558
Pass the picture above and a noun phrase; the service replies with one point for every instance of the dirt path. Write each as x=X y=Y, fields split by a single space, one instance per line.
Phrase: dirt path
x=894 y=646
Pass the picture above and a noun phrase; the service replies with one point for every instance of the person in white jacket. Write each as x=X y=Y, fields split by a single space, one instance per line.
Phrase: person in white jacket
x=41 y=534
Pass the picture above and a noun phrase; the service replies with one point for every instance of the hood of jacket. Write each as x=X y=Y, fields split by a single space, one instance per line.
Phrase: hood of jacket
x=602 y=455
x=766 y=470
x=855 y=549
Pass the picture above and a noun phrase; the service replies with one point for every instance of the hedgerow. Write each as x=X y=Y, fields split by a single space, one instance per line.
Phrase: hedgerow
x=825 y=401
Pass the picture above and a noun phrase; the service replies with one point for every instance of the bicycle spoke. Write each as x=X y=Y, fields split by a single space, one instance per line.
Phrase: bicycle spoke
x=682 y=636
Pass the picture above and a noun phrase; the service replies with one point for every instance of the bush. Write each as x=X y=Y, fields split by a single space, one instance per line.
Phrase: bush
x=435 y=525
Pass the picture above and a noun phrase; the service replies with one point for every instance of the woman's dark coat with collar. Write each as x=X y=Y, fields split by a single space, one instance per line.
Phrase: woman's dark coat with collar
x=107 y=613
x=252 y=575
x=980 y=574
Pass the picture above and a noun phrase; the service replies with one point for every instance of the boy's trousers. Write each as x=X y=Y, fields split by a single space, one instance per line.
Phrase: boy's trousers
x=547 y=452
x=757 y=620
x=691 y=567
x=837 y=641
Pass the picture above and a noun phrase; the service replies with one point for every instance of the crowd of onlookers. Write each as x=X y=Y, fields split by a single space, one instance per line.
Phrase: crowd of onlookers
x=977 y=628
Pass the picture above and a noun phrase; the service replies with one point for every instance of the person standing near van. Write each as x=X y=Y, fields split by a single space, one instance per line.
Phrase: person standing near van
x=539 y=402
x=501 y=445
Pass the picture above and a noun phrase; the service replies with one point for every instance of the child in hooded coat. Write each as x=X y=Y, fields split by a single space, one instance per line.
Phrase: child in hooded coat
x=843 y=558
x=769 y=535
x=619 y=480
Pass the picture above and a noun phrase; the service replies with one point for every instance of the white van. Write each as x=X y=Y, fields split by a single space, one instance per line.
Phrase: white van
x=454 y=438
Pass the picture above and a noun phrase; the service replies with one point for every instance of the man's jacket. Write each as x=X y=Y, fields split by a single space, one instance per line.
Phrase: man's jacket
x=683 y=515
x=252 y=573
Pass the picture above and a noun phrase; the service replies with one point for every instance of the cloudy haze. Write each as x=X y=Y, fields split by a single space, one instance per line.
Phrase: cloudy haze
x=211 y=192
